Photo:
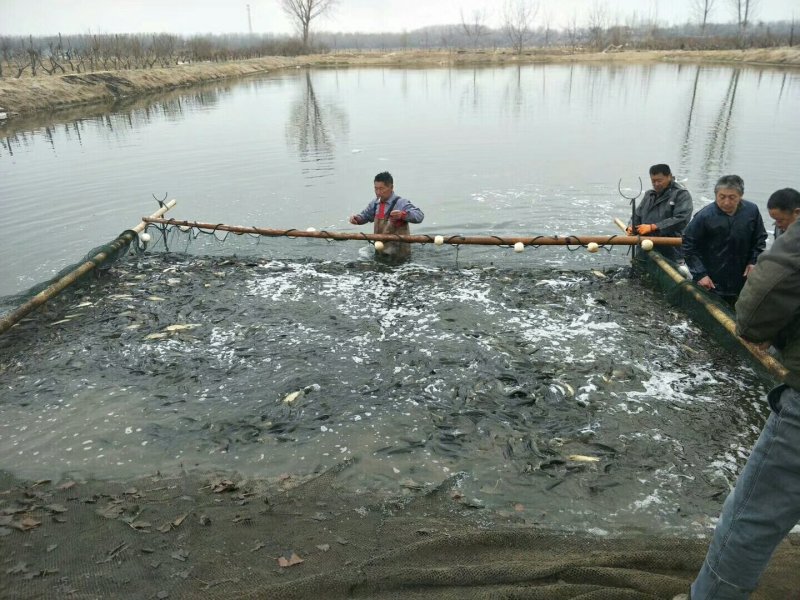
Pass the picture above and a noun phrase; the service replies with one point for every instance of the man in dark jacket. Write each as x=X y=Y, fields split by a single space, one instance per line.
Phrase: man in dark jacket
x=784 y=208
x=664 y=211
x=765 y=503
x=723 y=240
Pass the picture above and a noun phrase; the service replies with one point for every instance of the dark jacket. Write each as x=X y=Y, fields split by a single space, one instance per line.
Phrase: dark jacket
x=722 y=246
x=670 y=212
x=768 y=309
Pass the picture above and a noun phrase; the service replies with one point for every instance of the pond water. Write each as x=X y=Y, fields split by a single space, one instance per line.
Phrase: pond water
x=275 y=356
x=534 y=149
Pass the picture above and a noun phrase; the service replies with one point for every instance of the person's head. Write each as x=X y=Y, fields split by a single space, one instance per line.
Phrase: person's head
x=660 y=177
x=784 y=207
x=728 y=193
x=384 y=185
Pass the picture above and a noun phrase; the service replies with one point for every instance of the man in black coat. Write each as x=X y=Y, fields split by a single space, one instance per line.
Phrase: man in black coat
x=723 y=240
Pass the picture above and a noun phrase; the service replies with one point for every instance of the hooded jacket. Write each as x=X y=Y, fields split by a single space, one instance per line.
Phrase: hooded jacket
x=768 y=309
x=670 y=212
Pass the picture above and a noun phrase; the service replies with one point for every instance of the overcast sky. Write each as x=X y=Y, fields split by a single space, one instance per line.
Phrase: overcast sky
x=42 y=17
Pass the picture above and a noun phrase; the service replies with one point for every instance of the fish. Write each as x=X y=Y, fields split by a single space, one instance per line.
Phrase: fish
x=582 y=458
x=292 y=397
x=171 y=328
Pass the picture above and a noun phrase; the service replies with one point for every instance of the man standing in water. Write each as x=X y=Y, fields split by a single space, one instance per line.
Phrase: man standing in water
x=391 y=214
x=723 y=240
x=664 y=211
x=765 y=503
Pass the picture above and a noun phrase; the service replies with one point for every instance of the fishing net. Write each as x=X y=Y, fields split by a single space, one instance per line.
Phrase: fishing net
x=161 y=337
x=223 y=537
x=97 y=261
x=684 y=294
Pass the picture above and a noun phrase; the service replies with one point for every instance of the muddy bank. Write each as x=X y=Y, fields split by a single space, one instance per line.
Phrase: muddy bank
x=29 y=95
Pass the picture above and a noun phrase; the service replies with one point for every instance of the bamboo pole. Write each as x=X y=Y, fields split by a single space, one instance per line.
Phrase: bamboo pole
x=763 y=357
x=12 y=318
x=539 y=240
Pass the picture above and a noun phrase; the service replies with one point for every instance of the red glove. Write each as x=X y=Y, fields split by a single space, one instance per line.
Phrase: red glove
x=646 y=229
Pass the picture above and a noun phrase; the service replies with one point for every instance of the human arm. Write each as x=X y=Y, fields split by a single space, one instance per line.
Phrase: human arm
x=405 y=211
x=692 y=244
x=365 y=216
x=769 y=302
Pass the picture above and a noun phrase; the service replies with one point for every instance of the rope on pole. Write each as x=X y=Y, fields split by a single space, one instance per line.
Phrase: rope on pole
x=126 y=237
x=455 y=240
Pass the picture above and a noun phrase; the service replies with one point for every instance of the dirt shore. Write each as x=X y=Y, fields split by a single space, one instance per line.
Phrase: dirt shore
x=46 y=93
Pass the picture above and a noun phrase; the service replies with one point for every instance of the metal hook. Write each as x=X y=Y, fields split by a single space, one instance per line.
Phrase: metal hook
x=631 y=198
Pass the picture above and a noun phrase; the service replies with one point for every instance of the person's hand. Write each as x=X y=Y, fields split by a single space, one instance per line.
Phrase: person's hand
x=706 y=283
x=646 y=229
x=354 y=220
x=629 y=230
x=398 y=215
x=748 y=269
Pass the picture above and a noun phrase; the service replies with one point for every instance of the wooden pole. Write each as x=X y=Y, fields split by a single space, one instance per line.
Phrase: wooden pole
x=12 y=318
x=539 y=240
x=762 y=356
x=767 y=361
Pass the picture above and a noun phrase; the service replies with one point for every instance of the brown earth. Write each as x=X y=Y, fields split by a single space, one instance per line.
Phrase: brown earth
x=45 y=93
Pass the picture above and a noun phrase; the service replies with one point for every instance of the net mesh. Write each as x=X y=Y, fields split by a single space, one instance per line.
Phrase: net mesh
x=683 y=295
x=201 y=535
x=198 y=537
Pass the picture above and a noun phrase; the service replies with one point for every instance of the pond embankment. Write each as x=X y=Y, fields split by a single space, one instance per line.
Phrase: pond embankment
x=44 y=93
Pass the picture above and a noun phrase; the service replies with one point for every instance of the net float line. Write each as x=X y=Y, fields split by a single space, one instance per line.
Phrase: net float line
x=485 y=240
x=126 y=237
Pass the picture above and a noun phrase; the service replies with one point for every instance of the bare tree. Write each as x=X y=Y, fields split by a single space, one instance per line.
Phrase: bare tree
x=701 y=9
x=598 y=23
x=518 y=16
x=744 y=11
x=547 y=18
x=572 y=30
x=302 y=12
x=475 y=29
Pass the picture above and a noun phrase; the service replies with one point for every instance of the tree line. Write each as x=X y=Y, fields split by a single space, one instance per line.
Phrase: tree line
x=524 y=26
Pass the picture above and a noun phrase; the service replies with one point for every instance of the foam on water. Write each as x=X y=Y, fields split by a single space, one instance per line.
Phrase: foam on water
x=417 y=372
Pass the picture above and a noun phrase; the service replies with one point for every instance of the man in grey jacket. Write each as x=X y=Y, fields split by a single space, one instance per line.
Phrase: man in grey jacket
x=664 y=211
x=765 y=503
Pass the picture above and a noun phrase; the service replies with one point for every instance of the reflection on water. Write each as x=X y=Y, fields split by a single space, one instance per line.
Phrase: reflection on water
x=312 y=128
x=511 y=150
x=121 y=117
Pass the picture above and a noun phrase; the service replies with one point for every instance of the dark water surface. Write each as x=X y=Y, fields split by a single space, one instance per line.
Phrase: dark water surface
x=505 y=378
x=287 y=356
